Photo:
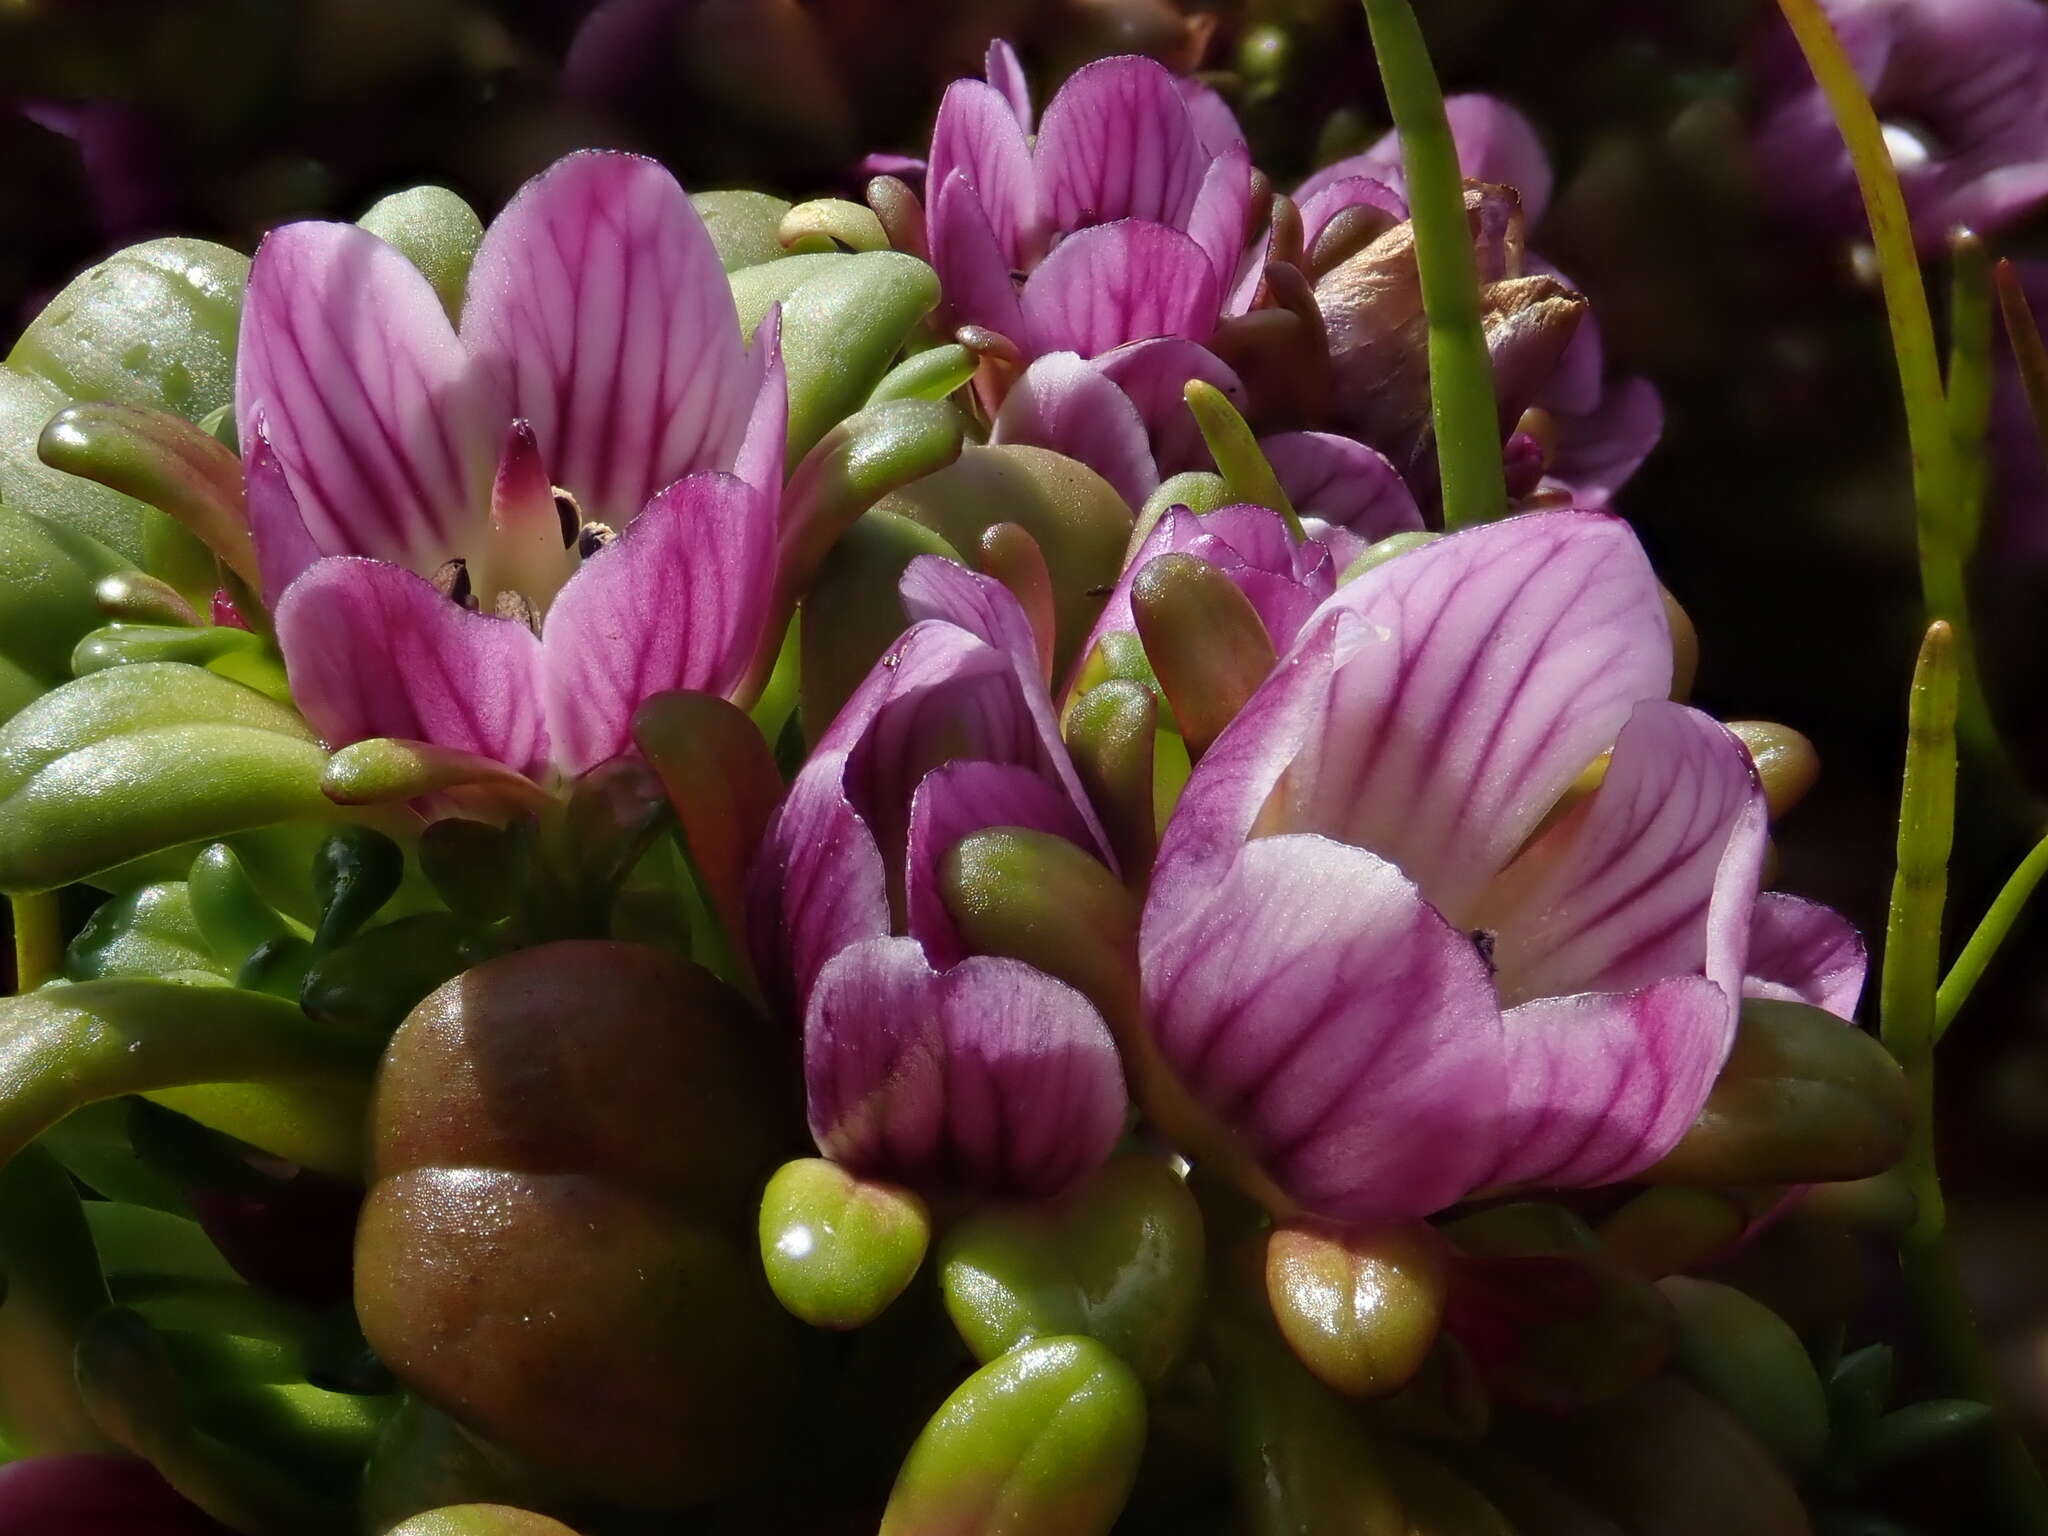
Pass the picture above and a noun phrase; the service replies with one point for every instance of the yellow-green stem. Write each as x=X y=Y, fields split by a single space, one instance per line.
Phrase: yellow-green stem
x=1969 y=966
x=1462 y=402
x=38 y=940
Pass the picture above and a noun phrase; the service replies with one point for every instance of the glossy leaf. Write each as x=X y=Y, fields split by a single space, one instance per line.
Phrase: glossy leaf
x=838 y=1249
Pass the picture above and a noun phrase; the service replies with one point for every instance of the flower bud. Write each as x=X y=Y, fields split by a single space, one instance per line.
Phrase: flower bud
x=1119 y=1259
x=1042 y=1442
x=1207 y=645
x=1803 y=1099
x=1362 y=1306
x=838 y=1249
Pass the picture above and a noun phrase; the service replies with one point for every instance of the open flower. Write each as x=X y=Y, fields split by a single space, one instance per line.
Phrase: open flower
x=1957 y=84
x=1123 y=219
x=1380 y=953
x=925 y=1064
x=434 y=507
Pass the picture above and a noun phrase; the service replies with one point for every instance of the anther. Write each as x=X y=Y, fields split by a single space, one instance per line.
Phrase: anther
x=570 y=513
x=592 y=537
x=451 y=580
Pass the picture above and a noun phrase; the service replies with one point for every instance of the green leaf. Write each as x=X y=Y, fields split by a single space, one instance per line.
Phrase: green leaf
x=1747 y=1358
x=743 y=228
x=436 y=231
x=47 y=575
x=152 y=325
x=28 y=485
x=149 y=931
x=844 y=319
x=133 y=760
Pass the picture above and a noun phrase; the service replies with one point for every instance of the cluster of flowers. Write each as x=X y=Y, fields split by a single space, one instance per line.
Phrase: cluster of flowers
x=1092 y=775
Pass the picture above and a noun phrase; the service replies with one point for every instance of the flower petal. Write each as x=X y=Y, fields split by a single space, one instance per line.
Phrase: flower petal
x=760 y=459
x=1495 y=143
x=990 y=1076
x=348 y=357
x=1217 y=221
x=1319 y=1007
x=960 y=798
x=1339 y=193
x=1435 y=708
x=968 y=256
x=283 y=546
x=936 y=588
x=1216 y=126
x=599 y=312
x=676 y=601
x=1601 y=1085
x=1067 y=405
x=1155 y=374
x=374 y=650
x=1599 y=451
x=1005 y=73
x=1118 y=142
x=979 y=137
x=1341 y=482
x=1653 y=875
x=91 y=1495
x=1803 y=952
x=1117 y=283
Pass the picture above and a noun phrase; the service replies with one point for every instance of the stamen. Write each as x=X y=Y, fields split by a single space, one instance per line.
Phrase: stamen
x=571 y=514
x=513 y=606
x=593 y=537
x=451 y=580
x=1483 y=940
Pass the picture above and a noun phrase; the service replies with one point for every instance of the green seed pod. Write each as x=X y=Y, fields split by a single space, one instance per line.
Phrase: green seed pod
x=1042 y=1442
x=1119 y=1258
x=839 y=1249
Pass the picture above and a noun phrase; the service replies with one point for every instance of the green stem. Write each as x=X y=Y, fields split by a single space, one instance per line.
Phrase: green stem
x=1462 y=400
x=1939 y=487
x=1991 y=933
x=1927 y=815
x=1971 y=331
x=1910 y=1015
x=38 y=940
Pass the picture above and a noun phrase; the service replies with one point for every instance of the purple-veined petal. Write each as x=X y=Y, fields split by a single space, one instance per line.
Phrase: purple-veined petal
x=366 y=394
x=1598 y=452
x=1435 y=708
x=960 y=798
x=1801 y=951
x=374 y=650
x=817 y=885
x=598 y=311
x=1005 y=73
x=759 y=461
x=1067 y=405
x=1217 y=221
x=1313 y=1002
x=936 y=588
x=1343 y=483
x=1216 y=126
x=1653 y=875
x=1117 y=142
x=1155 y=374
x=283 y=546
x=979 y=138
x=90 y=1495
x=1334 y=196
x=676 y=601
x=969 y=259
x=1495 y=143
x=990 y=1076
x=1600 y=1085
x=1117 y=283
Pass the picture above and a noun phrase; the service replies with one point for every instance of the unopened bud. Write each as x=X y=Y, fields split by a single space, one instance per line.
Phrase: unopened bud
x=1361 y=1307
